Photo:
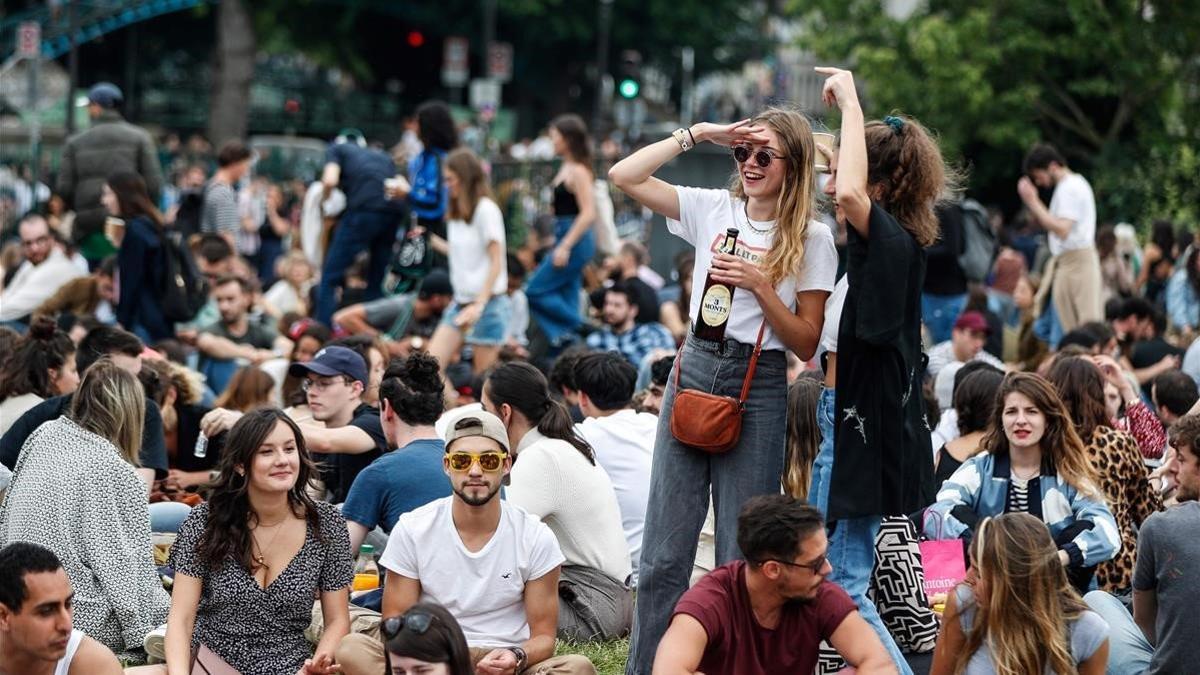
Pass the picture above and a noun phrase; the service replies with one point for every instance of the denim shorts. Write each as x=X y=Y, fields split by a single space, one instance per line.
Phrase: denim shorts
x=491 y=329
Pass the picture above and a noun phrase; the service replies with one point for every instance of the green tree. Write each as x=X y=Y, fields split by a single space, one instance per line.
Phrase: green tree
x=1114 y=83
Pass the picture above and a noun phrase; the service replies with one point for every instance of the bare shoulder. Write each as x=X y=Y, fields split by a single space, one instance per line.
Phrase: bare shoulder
x=93 y=658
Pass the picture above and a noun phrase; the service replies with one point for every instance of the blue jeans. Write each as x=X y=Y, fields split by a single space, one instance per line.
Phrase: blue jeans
x=1129 y=653
x=681 y=476
x=357 y=231
x=852 y=543
x=553 y=292
x=939 y=312
x=166 y=517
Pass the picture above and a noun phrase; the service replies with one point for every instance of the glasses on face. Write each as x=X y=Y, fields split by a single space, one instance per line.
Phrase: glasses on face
x=814 y=566
x=415 y=622
x=39 y=241
x=762 y=157
x=321 y=385
x=488 y=461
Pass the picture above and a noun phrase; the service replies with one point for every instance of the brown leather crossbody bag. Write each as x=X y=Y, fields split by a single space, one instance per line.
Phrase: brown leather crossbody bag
x=709 y=422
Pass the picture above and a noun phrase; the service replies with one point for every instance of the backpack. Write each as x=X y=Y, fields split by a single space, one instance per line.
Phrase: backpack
x=979 y=244
x=605 y=226
x=187 y=216
x=184 y=290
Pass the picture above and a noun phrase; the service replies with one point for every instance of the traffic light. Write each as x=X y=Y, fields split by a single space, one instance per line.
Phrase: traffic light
x=630 y=85
x=415 y=38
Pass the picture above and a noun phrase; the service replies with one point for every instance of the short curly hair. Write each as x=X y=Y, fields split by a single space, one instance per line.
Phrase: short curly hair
x=1185 y=433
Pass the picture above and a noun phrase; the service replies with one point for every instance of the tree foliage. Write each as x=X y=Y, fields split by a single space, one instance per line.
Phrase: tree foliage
x=1114 y=83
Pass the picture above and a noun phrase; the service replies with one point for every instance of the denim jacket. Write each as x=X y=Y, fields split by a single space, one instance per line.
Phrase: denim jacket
x=428 y=197
x=980 y=489
x=1183 y=307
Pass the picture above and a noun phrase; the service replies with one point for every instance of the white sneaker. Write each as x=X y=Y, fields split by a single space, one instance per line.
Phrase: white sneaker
x=155 y=645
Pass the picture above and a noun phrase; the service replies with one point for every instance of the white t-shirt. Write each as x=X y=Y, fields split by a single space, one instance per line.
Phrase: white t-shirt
x=483 y=590
x=555 y=482
x=1073 y=200
x=624 y=446
x=833 y=317
x=705 y=215
x=469 y=263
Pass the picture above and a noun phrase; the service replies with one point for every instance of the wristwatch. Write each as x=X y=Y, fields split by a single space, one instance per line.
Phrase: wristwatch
x=522 y=657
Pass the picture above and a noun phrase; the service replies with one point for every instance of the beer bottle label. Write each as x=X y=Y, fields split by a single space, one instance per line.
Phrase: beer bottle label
x=714 y=307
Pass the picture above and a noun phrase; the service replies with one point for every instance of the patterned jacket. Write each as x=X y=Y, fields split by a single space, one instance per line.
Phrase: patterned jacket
x=74 y=494
x=980 y=489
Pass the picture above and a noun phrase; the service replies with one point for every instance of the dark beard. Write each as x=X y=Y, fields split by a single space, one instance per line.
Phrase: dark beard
x=475 y=501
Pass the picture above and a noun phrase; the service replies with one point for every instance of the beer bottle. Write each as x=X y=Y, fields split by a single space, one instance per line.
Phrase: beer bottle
x=716 y=300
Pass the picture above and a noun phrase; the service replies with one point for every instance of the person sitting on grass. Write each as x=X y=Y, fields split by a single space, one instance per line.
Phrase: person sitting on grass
x=36 y=613
x=426 y=640
x=770 y=612
x=491 y=564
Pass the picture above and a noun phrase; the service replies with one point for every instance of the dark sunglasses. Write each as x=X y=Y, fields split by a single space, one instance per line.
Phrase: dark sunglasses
x=763 y=157
x=814 y=566
x=415 y=622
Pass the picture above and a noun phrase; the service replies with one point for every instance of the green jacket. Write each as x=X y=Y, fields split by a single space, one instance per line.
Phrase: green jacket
x=109 y=146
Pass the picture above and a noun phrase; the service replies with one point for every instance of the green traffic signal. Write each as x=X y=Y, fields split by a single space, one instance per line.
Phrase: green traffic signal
x=629 y=88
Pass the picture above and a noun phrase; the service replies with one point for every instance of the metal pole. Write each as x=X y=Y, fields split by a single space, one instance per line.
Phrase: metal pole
x=686 y=105
x=604 y=24
x=35 y=124
x=72 y=64
x=489 y=35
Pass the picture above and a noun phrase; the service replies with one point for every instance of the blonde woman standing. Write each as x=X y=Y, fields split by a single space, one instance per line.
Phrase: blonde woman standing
x=76 y=491
x=783 y=269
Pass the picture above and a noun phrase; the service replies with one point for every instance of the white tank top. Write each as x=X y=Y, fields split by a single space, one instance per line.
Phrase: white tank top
x=64 y=664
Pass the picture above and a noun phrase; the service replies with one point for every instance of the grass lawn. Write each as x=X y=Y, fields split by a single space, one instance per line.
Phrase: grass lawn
x=608 y=657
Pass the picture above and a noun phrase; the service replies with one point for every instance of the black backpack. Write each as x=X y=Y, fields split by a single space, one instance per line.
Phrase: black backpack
x=187 y=217
x=184 y=290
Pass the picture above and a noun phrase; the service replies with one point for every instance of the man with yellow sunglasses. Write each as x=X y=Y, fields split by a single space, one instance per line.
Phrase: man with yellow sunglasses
x=494 y=566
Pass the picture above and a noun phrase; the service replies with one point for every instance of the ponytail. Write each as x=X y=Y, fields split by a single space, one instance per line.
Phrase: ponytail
x=525 y=389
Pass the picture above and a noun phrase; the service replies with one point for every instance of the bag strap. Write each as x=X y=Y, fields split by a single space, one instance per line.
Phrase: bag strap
x=762 y=328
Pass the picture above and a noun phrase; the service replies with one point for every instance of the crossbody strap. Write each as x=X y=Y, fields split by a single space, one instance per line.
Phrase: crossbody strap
x=762 y=328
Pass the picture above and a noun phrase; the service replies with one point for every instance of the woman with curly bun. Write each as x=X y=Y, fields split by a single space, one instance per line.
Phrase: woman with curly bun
x=41 y=365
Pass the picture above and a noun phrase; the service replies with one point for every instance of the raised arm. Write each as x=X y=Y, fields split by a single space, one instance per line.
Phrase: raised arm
x=851 y=174
x=634 y=175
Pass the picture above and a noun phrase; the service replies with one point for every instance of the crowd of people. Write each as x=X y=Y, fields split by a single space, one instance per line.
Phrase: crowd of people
x=219 y=409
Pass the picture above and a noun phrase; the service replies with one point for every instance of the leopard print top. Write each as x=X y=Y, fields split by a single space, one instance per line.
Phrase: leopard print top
x=1126 y=486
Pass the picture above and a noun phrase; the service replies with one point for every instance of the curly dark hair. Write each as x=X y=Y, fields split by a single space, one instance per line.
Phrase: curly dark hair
x=227 y=533
x=907 y=165
x=435 y=126
x=414 y=390
x=27 y=369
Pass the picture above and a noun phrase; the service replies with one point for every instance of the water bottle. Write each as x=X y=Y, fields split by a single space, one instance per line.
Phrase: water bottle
x=366 y=572
x=201 y=450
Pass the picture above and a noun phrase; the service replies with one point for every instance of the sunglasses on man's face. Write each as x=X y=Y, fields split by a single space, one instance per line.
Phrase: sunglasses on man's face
x=488 y=461
x=763 y=157
x=415 y=622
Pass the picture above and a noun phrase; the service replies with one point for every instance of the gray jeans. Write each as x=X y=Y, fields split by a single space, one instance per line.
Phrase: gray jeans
x=681 y=477
x=592 y=605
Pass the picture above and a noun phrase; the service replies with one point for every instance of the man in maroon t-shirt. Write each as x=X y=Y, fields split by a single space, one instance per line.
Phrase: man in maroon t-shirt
x=769 y=613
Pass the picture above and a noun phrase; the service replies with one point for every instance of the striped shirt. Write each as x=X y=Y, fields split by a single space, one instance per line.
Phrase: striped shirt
x=1018 y=495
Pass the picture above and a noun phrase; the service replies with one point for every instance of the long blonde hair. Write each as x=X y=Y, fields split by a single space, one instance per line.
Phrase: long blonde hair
x=111 y=403
x=795 y=205
x=1028 y=602
x=803 y=436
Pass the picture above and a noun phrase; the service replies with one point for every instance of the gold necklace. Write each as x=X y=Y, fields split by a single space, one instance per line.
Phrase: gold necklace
x=258 y=557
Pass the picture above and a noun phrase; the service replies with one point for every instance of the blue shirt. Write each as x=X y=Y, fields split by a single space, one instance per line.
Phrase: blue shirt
x=397 y=483
x=363 y=173
x=635 y=343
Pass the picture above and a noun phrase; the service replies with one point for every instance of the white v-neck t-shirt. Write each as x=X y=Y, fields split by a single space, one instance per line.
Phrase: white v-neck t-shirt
x=705 y=215
x=484 y=590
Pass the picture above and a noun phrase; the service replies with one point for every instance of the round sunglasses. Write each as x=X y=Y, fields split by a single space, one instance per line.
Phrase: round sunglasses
x=762 y=157
x=415 y=622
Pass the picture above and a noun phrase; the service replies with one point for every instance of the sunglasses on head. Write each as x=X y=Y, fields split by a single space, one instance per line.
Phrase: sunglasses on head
x=762 y=157
x=488 y=461
x=415 y=622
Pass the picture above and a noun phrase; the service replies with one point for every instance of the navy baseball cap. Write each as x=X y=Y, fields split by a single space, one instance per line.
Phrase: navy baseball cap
x=332 y=361
x=437 y=282
x=105 y=95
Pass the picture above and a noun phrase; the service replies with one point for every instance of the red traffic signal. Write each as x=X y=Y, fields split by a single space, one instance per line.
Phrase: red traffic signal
x=415 y=38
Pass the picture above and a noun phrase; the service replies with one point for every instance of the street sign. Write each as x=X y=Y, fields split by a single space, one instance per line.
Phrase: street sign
x=500 y=57
x=29 y=40
x=485 y=94
x=455 y=70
